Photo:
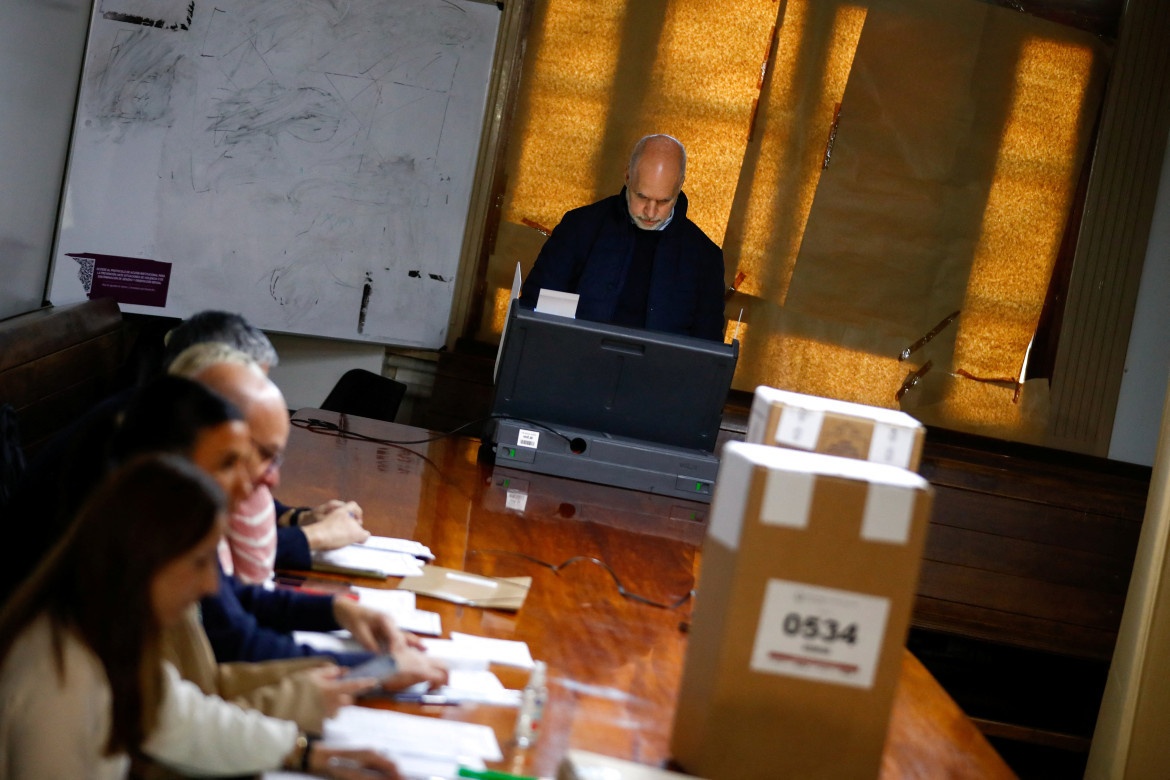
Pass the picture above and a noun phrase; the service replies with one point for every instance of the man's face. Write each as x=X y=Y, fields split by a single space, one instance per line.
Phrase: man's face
x=652 y=190
x=268 y=421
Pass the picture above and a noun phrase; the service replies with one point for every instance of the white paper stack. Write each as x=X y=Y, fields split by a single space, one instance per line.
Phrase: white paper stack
x=394 y=544
x=465 y=686
x=362 y=561
x=399 y=604
x=464 y=648
x=422 y=747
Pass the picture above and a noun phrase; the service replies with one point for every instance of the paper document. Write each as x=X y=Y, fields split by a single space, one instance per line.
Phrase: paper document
x=464 y=686
x=394 y=544
x=507 y=652
x=422 y=747
x=399 y=734
x=359 y=560
x=457 y=656
x=515 y=293
x=562 y=304
x=474 y=590
x=399 y=604
x=464 y=650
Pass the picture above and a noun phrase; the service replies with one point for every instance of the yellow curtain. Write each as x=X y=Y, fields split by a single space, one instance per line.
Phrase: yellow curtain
x=599 y=74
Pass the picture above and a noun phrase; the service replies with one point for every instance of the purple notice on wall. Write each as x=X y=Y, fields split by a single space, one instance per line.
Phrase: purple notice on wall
x=131 y=280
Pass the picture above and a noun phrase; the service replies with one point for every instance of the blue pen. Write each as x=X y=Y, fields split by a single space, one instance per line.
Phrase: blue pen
x=424 y=698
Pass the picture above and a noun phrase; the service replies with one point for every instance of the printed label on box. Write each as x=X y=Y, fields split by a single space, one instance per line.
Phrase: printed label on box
x=799 y=428
x=818 y=633
x=516 y=500
x=527 y=438
x=891 y=444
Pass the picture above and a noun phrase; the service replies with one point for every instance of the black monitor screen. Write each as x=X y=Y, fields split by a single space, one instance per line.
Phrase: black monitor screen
x=641 y=384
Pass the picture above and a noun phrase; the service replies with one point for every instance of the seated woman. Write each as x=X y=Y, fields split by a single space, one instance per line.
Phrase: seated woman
x=181 y=417
x=82 y=682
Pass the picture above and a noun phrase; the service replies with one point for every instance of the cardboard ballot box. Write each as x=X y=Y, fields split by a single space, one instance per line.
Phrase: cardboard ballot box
x=809 y=422
x=809 y=570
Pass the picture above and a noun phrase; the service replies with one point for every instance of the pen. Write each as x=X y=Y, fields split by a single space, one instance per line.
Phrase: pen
x=488 y=774
x=337 y=762
x=424 y=698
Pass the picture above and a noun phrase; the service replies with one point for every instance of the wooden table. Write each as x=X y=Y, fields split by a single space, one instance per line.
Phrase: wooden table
x=614 y=662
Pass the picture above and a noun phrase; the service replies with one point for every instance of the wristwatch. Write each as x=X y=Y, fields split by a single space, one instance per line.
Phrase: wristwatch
x=302 y=750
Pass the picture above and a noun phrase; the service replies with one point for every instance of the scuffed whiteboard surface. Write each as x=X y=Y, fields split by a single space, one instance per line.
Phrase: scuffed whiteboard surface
x=306 y=163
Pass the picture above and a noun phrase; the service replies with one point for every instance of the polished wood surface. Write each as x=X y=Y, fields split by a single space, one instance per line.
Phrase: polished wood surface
x=614 y=662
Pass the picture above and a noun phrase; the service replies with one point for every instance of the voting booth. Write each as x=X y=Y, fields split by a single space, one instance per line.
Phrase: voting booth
x=808 y=422
x=809 y=571
x=609 y=404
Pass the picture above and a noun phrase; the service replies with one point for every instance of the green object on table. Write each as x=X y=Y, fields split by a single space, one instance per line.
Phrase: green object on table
x=488 y=774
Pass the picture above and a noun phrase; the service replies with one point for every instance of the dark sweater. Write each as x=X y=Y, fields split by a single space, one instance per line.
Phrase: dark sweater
x=592 y=250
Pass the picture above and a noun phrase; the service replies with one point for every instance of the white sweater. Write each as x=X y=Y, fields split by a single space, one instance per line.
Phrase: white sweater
x=58 y=727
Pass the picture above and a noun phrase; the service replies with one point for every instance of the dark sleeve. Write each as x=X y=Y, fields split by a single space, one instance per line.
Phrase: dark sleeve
x=709 y=307
x=292 y=549
x=281 y=508
x=558 y=266
x=292 y=546
x=249 y=623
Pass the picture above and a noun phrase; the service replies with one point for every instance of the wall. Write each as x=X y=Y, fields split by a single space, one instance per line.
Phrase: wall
x=1147 y=362
x=41 y=44
x=309 y=367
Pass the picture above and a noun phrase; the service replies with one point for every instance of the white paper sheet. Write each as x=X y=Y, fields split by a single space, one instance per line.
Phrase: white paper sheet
x=400 y=734
x=562 y=304
x=463 y=649
x=399 y=604
x=394 y=544
x=466 y=686
x=371 y=561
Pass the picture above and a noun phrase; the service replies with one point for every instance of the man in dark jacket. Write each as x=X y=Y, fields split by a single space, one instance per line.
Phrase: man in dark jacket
x=634 y=258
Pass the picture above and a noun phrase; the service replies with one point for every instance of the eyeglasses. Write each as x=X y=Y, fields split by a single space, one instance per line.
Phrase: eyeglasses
x=268 y=457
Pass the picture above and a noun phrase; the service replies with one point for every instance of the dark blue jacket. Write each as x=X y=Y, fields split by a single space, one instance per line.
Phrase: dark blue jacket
x=292 y=546
x=589 y=253
x=249 y=623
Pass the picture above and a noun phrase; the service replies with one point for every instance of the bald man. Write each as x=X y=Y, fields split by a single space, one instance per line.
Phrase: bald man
x=248 y=622
x=634 y=258
x=237 y=376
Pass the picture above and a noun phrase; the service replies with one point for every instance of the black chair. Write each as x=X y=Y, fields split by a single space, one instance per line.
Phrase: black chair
x=365 y=394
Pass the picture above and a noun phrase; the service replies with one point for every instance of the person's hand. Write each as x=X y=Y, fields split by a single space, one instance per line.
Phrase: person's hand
x=335 y=692
x=334 y=524
x=415 y=667
x=375 y=631
x=351 y=764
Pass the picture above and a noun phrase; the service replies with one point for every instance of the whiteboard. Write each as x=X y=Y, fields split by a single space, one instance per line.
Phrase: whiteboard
x=307 y=163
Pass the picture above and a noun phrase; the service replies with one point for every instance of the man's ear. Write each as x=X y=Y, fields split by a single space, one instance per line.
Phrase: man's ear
x=627 y=176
